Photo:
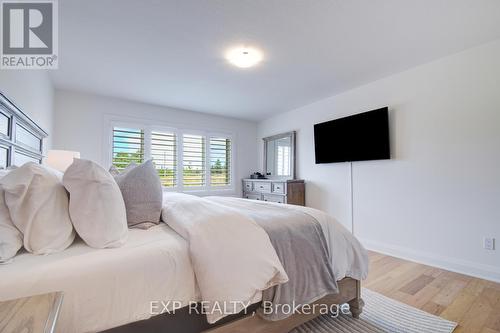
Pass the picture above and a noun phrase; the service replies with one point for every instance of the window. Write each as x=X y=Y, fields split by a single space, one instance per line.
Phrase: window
x=128 y=146
x=185 y=160
x=283 y=161
x=220 y=161
x=164 y=155
x=193 y=160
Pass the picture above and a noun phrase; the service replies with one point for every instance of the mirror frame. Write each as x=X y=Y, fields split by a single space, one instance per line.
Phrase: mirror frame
x=290 y=134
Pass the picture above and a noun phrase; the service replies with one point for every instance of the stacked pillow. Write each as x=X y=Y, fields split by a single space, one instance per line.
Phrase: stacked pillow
x=34 y=209
x=36 y=212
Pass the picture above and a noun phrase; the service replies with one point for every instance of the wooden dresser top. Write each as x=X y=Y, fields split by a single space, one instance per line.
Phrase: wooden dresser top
x=274 y=180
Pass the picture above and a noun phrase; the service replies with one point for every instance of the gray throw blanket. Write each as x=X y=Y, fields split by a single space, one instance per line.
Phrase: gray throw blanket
x=302 y=249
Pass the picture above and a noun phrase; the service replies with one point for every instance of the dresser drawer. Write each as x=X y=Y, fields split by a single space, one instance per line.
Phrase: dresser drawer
x=278 y=188
x=274 y=198
x=252 y=196
x=291 y=192
x=262 y=187
x=248 y=186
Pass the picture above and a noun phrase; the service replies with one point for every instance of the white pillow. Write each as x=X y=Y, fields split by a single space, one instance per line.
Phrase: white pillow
x=11 y=240
x=38 y=206
x=96 y=205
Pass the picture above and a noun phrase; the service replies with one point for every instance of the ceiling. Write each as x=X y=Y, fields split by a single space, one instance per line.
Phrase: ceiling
x=171 y=53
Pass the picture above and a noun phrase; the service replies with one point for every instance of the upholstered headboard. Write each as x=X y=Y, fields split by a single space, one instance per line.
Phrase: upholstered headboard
x=21 y=139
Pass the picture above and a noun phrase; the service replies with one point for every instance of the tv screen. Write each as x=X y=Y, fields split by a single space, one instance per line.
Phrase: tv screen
x=361 y=137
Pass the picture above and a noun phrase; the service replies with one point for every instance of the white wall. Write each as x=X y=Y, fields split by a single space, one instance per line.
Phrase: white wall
x=80 y=125
x=440 y=194
x=32 y=92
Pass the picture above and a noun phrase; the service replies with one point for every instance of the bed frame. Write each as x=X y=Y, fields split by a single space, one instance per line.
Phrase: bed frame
x=182 y=321
x=21 y=139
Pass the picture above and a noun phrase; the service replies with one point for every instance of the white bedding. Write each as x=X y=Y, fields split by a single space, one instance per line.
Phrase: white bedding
x=105 y=288
x=232 y=256
x=349 y=258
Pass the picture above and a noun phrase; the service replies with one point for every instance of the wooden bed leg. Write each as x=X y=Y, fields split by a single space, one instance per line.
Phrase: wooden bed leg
x=356 y=305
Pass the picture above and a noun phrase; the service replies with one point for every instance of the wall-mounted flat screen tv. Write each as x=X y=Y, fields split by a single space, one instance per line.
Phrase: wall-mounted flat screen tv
x=361 y=137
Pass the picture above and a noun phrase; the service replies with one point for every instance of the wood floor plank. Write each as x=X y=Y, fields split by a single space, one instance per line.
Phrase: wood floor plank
x=431 y=271
x=396 y=278
x=416 y=284
x=449 y=292
x=488 y=330
x=471 y=302
x=476 y=286
x=494 y=285
x=422 y=297
x=459 y=307
x=433 y=308
x=475 y=318
x=492 y=296
x=493 y=321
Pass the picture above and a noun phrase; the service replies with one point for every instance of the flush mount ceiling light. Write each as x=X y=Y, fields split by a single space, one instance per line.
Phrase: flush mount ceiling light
x=244 y=57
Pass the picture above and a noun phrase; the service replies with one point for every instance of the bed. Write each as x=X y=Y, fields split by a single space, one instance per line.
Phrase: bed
x=108 y=288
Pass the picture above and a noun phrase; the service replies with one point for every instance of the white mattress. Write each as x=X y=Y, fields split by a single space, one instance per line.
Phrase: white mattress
x=109 y=287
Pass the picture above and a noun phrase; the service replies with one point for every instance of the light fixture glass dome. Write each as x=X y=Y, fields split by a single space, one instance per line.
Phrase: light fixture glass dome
x=244 y=57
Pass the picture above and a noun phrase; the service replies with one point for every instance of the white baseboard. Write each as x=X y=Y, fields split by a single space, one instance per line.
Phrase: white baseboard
x=482 y=271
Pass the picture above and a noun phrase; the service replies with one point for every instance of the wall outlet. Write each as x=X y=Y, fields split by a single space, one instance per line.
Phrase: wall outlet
x=489 y=243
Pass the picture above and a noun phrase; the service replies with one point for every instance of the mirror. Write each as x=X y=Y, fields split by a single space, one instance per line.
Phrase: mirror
x=279 y=156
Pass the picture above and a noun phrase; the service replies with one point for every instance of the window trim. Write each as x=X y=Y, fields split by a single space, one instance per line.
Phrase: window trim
x=148 y=126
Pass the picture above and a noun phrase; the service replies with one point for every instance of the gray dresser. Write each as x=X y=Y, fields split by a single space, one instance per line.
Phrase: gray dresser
x=281 y=191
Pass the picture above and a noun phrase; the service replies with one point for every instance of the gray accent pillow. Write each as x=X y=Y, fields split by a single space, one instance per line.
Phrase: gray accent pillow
x=142 y=192
x=115 y=172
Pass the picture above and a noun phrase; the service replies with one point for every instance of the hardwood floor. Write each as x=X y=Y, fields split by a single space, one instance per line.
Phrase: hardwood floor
x=473 y=303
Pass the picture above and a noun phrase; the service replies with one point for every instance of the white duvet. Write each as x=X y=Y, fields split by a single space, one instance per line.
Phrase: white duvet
x=349 y=258
x=233 y=258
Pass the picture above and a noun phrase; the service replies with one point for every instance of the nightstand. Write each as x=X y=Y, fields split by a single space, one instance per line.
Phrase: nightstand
x=34 y=314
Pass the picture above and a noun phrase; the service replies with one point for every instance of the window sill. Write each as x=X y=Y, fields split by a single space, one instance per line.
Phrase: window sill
x=204 y=192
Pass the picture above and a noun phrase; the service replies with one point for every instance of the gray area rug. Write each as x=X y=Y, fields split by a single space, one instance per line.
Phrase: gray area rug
x=380 y=315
